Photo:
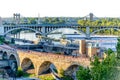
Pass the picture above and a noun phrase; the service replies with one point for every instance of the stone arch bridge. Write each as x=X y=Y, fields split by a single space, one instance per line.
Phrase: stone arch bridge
x=9 y=60
x=41 y=61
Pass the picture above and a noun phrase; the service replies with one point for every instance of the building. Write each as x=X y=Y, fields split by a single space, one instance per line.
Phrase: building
x=88 y=48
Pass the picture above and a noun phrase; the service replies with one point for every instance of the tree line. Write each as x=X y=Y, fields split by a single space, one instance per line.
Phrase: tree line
x=113 y=22
x=44 y=20
x=102 y=22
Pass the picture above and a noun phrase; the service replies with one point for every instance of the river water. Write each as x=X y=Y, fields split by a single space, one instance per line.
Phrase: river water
x=103 y=41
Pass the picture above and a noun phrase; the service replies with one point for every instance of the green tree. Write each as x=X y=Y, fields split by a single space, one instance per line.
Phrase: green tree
x=20 y=72
x=96 y=69
x=63 y=76
x=118 y=48
x=105 y=69
x=32 y=21
x=100 y=70
x=53 y=21
x=109 y=51
x=2 y=39
x=83 y=73
x=108 y=22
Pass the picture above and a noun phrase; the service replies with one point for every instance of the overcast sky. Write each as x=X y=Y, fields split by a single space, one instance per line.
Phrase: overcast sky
x=54 y=8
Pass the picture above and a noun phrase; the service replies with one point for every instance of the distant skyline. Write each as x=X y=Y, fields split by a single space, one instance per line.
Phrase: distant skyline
x=60 y=8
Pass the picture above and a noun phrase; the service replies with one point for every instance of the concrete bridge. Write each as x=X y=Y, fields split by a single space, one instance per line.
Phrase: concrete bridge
x=45 y=29
x=41 y=62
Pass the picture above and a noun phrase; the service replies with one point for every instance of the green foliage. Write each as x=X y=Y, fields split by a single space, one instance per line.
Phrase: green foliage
x=100 y=22
x=96 y=61
x=20 y=73
x=118 y=48
x=101 y=70
x=32 y=21
x=53 y=21
x=63 y=76
x=55 y=70
x=31 y=75
x=67 y=78
x=105 y=69
x=107 y=22
x=109 y=51
x=62 y=72
x=83 y=73
x=2 y=39
x=46 y=77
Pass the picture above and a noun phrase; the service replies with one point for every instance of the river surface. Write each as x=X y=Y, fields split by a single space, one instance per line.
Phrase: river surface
x=103 y=41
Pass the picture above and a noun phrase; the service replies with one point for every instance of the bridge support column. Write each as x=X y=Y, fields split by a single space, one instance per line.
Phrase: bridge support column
x=43 y=30
x=36 y=71
x=87 y=32
x=1 y=30
x=1 y=27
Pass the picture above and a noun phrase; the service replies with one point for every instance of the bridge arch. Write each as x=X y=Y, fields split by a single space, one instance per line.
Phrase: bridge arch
x=5 y=56
x=28 y=64
x=22 y=28
x=45 y=66
x=103 y=29
x=80 y=31
x=14 y=62
x=12 y=57
x=71 y=69
x=1 y=54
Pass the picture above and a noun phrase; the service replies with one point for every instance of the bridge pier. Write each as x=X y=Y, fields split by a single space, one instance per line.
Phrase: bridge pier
x=1 y=27
x=43 y=29
x=1 y=30
x=87 y=32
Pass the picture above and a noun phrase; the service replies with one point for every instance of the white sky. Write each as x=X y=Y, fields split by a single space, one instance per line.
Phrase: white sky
x=73 y=8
